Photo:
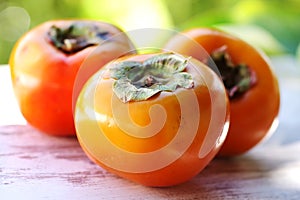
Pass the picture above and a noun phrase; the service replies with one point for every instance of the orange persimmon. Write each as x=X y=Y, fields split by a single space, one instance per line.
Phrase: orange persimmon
x=44 y=65
x=156 y=119
x=247 y=75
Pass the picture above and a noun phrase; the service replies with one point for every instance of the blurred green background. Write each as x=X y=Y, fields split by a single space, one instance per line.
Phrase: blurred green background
x=272 y=25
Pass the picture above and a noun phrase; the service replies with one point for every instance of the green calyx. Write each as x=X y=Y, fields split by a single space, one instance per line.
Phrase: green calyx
x=138 y=81
x=76 y=37
x=237 y=79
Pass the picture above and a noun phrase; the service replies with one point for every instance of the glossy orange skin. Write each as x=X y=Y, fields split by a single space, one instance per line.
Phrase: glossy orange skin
x=97 y=96
x=43 y=76
x=253 y=115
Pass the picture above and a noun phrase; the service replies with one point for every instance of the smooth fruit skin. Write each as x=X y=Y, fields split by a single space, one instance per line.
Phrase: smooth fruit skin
x=101 y=119
x=43 y=77
x=253 y=115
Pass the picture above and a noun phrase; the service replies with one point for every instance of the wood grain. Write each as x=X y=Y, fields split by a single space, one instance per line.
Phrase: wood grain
x=38 y=166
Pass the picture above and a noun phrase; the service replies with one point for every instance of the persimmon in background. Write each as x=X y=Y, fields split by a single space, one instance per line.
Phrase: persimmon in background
x=45 y=63
x=247 y=75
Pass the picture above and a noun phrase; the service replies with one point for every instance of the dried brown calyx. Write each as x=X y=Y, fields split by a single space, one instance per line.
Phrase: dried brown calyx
x=237 y=78
x=77 y=36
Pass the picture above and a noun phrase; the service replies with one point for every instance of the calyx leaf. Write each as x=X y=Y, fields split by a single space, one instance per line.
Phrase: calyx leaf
x=137 y=81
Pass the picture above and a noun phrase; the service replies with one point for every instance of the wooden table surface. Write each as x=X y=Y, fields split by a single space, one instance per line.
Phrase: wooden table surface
x=37 y=166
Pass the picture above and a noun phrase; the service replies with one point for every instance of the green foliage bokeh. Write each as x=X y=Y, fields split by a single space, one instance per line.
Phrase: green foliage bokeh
x=272 y=25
